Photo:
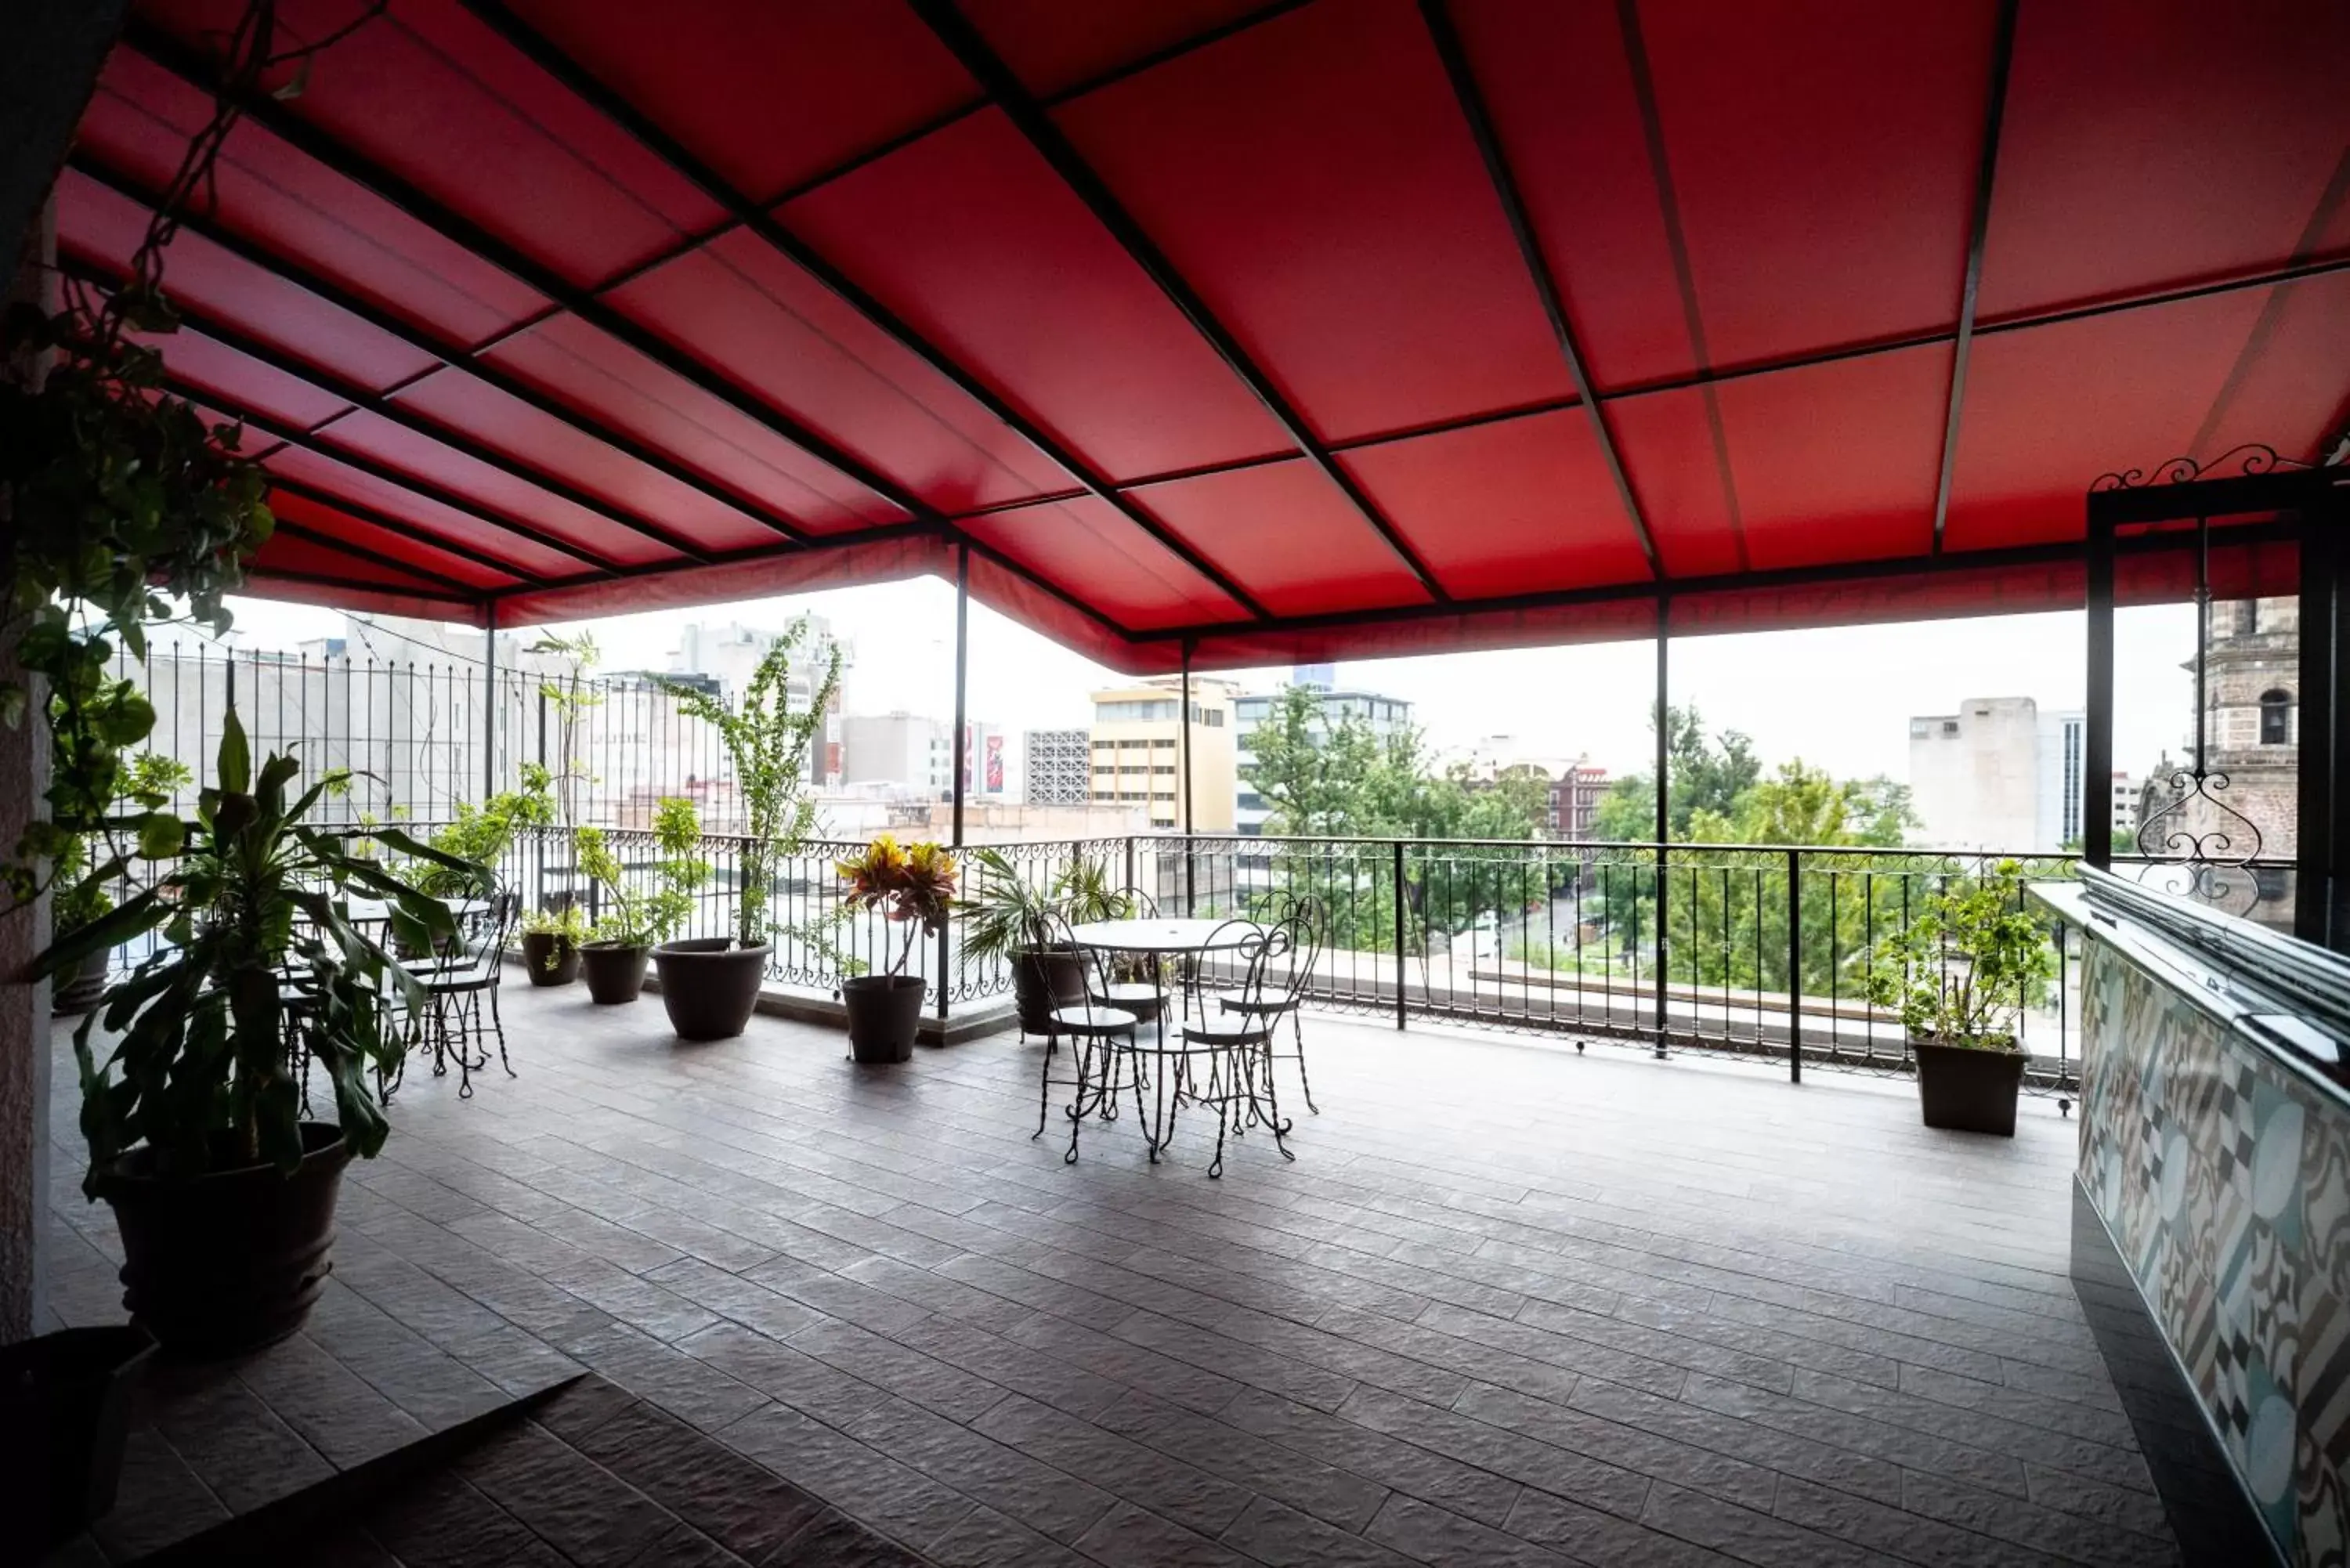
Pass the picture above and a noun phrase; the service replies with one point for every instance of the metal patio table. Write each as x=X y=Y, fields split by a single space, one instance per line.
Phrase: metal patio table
x=1158 y=937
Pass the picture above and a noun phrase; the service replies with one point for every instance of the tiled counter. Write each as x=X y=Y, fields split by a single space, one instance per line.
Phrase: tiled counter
x=2213 y=1232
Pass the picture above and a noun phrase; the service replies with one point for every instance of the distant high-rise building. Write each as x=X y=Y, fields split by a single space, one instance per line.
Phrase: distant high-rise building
x=1998 y=775
x=900 y=748
x=1058 y=767
x=1140 y=757
x=1574 y=799
x=723 y=658
x=1385 y=715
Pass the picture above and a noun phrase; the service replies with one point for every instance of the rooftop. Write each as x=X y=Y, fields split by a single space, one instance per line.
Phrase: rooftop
x=1510 y=1304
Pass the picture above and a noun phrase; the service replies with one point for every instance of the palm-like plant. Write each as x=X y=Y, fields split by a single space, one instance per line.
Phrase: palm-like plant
x=254 y=925
x=769 y=741
x=1009 y=914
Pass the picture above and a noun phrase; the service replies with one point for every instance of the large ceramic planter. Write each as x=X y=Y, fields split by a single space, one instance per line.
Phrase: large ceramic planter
x=615 y=973
x=552 y=958
x=226 y=1262
x=65 y=1399
x=1044 y=979
x=710 y=985
x=883 y=1011
x=82 y=987
x=1967 y=1088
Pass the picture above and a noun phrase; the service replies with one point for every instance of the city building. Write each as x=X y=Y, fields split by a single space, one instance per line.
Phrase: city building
x=1383 y=714
x=1574 y=796
x=985 y=775
x=2251 y=737
x=2127 y=805
x=1998 y=774
x=898 y=748
x=1057 y=767
x=1138 y=757
x=722 y=658
x=1489 y=757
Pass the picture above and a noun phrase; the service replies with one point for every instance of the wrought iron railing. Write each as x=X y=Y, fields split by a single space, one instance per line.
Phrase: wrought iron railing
x=1758 y=950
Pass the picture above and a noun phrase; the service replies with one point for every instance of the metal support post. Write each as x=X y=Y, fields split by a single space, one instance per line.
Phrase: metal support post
x=1795 y=964
x=963 y=751
x=2097 y=750
x=1400 y=970
x=1664 y=808
x=490 y=699
x=1190 y=903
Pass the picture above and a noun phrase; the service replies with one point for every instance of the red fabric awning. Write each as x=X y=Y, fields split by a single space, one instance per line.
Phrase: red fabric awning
x=1343 y=327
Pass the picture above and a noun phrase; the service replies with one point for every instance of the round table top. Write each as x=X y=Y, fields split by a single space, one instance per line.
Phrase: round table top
x=1162 y=936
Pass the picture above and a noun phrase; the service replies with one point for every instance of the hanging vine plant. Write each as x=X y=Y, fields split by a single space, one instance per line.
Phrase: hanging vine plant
x=121 y=507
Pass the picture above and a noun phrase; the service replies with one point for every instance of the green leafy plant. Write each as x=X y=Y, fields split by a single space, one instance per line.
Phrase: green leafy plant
x=568 y=926
x=642 y=917
x=252 y=924
x=122 y=508
x=570 y=698
x=769 y=741
x=1968 y=964
x=149 y=782
x=1008 y=914
x=479 y=835
x=913 y=885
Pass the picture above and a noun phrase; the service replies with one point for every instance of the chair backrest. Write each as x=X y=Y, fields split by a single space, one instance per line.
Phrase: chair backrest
x=484 y=931
x=1094 y=961
x=1244 y=951
x=1305 y=927
x=1144 y=906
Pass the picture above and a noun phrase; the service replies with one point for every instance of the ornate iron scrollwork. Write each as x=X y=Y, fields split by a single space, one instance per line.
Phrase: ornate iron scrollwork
x=2252 y=458
x=2195 y=831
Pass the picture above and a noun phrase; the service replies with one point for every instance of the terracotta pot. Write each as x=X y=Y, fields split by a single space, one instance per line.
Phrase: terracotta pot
x=710 y=985
x=552 y=958
x=1968 y=1088
x=615 y=972
x=883 y=1011
x=223 y=1263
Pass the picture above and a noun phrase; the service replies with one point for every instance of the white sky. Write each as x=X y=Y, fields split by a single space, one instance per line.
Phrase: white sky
x=1840 y=699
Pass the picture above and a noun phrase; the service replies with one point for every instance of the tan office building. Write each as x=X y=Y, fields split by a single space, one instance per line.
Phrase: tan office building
x=1138 y=751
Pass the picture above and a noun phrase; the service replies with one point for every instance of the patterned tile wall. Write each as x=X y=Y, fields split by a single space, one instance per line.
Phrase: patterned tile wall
x=2225 y=1180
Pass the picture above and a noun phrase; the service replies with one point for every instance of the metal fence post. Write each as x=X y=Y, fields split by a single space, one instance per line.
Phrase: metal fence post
x=1400 y=1012
x=1795 y=964
x=1131 y=885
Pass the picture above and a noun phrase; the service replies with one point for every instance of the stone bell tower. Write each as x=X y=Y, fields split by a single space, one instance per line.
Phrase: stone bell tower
x=2252 y=736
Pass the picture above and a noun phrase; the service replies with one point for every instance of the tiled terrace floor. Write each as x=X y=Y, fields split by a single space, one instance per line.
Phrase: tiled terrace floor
x=1510 y=1306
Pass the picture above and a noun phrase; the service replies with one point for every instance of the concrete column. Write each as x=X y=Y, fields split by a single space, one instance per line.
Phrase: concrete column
x=24 y=1002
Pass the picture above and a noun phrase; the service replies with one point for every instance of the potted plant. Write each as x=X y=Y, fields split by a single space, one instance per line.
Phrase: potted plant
x=614 y=956
x=1961 y=975
x=223 y=1195
x=551 y=941
x=710 y=985
x=912 y=886
x=146 y=783
x=1010 y=919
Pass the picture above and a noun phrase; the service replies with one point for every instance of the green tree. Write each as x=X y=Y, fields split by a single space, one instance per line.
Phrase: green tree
x=1316 y=778
x=1702 y=773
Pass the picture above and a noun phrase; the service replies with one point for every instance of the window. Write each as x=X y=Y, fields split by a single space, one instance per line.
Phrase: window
x=1125 y=712
x=1949 y=726
x=2276 y=718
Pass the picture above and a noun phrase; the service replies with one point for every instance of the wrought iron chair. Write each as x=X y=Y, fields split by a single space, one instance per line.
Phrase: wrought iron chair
x=1094 y=1028
x=1305 y=928
x=1235 y=1041
x=455 y=1022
